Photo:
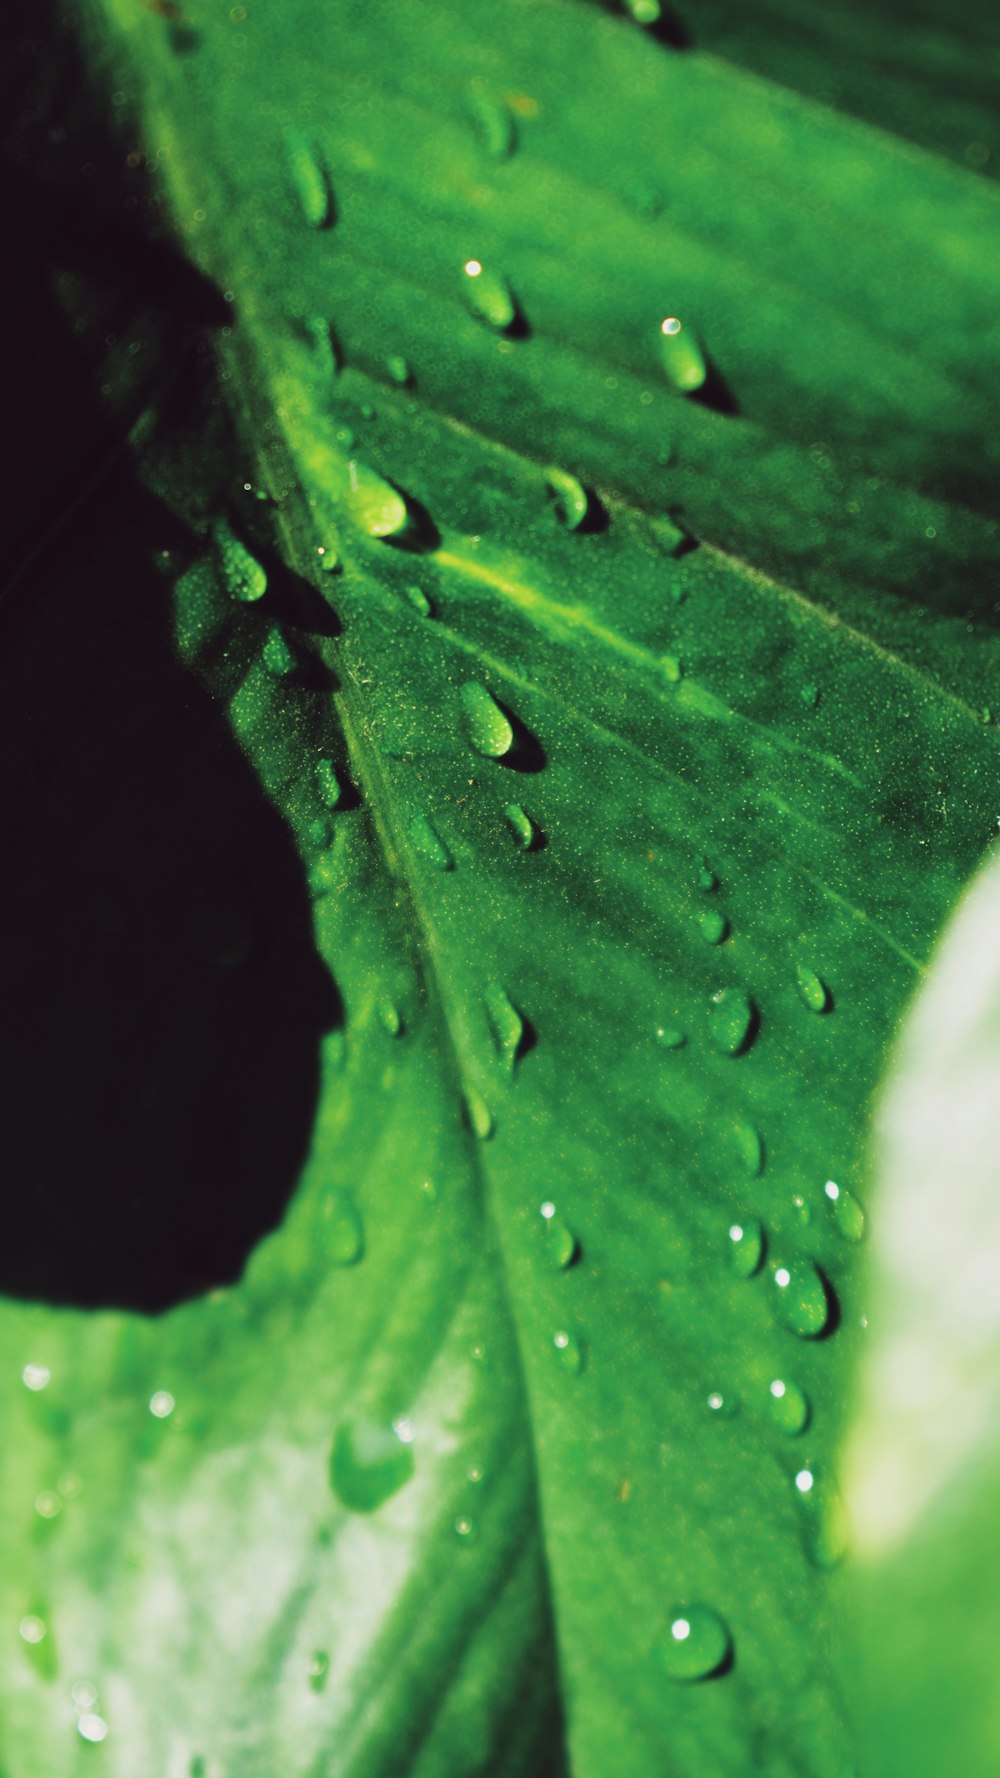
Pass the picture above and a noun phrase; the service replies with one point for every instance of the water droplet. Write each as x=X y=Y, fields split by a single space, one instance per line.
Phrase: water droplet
x=810 y=695
x=824 y=1519
x=480 y=1116
x=494 y=124
x=845 y=1210
x=521 y=826
x=746 y=1246
x=369 y=1464
x=310 y=181
x=374 y=503
x=398 y=370
x=243 y=576
x=488 y=296
x=560 y=1244
x=92 y=1727
x=428 y=843
x=681 y=355
x=572 y=502
x=749 y=1148
x=416 y=597
x=802 y=1298
x=672 y=538
x=48 y=1504
x=161 y=1404
x=713 y=926
x=803 y=1213
x=389 y=1018
x=83 y=1694
x=466 y=1529
x=812 y=990
x=673 y=671
x=32 y=1629
x=722 y=1404
x=36 y=1377
x=319 y=1670
x=731 y=1021
x=670 y=1037
x=330 y=787
x=487 y=727
x=326 y=357
x=698 y=1644
x=506 y=1024
x=344 y=1231
x=569 y=1351
x=706 y=879
x=788 y=1406
x=278 y=657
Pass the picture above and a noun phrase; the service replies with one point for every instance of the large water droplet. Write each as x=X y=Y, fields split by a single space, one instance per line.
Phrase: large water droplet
x=506 y=1024
x=319 y=1670
x=559 y=1242
x=568 y=1350
x=243 y=576
x=749 y=1148
x=494 y=125
x=812 y=990
x=345 y=1236
x=374 y=503
x=788 y=1406
x=429 y=845
x=731 y=1021
x=572 y=502
x=487 y=727
x=846 y=1213
x=698 y=1643
x=746 y=1246
x=681 y=355
x=802 y=1298
x=370 y=1463
x=713 y=926
x=488 y=296
x=310 y=181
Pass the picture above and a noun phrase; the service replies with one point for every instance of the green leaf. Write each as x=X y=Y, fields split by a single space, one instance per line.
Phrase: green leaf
x=536 y=796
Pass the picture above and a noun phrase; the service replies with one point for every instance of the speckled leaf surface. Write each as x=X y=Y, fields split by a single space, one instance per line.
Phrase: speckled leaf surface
x=512 y=760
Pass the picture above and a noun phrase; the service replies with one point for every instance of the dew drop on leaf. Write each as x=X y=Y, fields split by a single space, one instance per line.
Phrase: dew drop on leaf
x=488 y=296
x=746 y=1246
x=91 y=1727
x=722 y=1404
x=319 y=1670
x=344 y=1231
x=788 y=1406
x=824 y=1518
x=480 y=1116
x=749 y=1148
x=713 y=926
x=506 y=1024
x=569 y=496
x=673 y=671
x=487 y=727
x=242 y=575
x=389 y=1018
x=415 y=596
x=681 y=355
x=429 y=845
x=670 y=1037
x=277 y=656
x=370 y=1463
x=494 y=125
x=330 y=787
x=802 y=1298
x=731 y=1021
x=812 y=990
x=310 y=181
x=645 y=12
x=466 y=1529
x=521 y=826
x=326 y=359
x=707 y=880
x=568 y=1351
x=32 y=1629
x=559 y=1243
x=374 y=503
x=398 y=370
x=846 y=1213
x=697 y=1644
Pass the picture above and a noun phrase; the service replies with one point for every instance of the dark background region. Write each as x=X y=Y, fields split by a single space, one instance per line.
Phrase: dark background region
x=161 y=999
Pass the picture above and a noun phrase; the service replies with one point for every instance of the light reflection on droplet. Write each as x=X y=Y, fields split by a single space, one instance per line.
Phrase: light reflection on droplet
x=473 y=268
x=48 y=1504
x=404 y=1430
x=671 y=325
x=161 y=1404
x=92 y=1728
x=547 y=1210
x=782 y=1277
x=36 y=1376
x=31 y=1629
x=805 y=1481
x=84 y=1695
x=680 y=1629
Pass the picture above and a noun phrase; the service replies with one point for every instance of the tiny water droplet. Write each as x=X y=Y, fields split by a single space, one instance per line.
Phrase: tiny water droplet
x=803 y=1213
x=824 y=1518
x=746 y=1246
x=698 y=1643
x=161 y=1404
x=369 y=1464
x=389 y=1018
x=32 y=1629
x=344 y=1231
x=427 y=842
x=487 y=727
x=506 y=1024
x=243 y=576
x=706 y=879
x=494 y=125
x=670 y=1037
x=83 y=1694
x=326 y=357
x=48 y=1504
x=672 y=538
x=521 y=826
x=310 y=181
x=722 y=1404
x=788 y=1406
x=466 y=1529
x=374 y=503
x=749 y=1148
x=810 y=695
x=673 y=671
x=488 y=296
x=560 y=1244
x=713 y=926
x=480 y=1116
x=568 y=1351
x=802 y=1298
x=812 y=990
x=278 y=657
x=398 y=370
x=731 y=1021
x=319 y=1670
x=416 y=597
x=572 y=502
x=846 y=1212
x=681 y=355
x=330 y=787
x=36 y=1377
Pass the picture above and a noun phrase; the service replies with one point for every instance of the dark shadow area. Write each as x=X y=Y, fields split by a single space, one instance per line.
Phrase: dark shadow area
x=715 y=393
x=161 y=998
x=525 y=754
x=834 y=1312
x=421 y=537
